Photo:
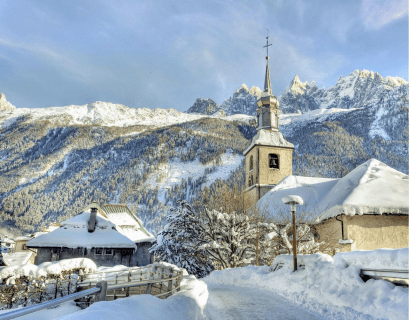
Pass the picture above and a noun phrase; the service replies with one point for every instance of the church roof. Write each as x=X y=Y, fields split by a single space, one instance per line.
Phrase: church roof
x=371 y=188
x=269 y=138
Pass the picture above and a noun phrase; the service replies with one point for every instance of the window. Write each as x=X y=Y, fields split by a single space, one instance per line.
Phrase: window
x=250 y=181
x=98 y=251
x=273 y=161
x=109 y=251
x=24 y=247
x=251 y=163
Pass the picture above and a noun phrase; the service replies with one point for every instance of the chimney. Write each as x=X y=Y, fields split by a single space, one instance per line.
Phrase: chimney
x=93 y=217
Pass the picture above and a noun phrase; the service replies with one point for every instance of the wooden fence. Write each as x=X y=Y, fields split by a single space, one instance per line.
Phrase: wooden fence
x=159 y=280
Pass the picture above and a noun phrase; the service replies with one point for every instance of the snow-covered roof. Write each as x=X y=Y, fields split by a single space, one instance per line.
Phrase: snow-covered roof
x=23 y=238
x=265 y=137
x=129 y=225
x=73 y=233
x=135 y=234
x=16 y=258
x=371 y=188
x=7 y=240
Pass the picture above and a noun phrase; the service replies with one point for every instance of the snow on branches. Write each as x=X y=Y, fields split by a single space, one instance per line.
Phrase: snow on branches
x=180 y=240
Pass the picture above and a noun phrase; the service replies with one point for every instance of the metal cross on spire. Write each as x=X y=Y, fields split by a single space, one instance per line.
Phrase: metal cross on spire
x=266 y=46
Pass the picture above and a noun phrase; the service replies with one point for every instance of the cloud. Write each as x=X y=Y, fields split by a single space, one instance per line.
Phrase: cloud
x=378 y=13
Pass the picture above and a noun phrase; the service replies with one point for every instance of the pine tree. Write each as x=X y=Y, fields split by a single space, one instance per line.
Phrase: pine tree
x=180 y=242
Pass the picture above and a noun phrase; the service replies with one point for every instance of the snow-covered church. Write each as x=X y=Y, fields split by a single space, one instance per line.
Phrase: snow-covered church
x=365 y=210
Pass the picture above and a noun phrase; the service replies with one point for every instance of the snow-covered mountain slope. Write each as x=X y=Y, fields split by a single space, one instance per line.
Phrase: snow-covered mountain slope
x=98 y=113
x=54 y=161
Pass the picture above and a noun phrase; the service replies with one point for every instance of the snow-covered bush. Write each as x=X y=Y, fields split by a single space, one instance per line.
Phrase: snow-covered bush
x=31 y=284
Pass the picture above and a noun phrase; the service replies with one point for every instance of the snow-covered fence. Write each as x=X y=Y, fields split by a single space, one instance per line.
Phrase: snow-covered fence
x=159 y=279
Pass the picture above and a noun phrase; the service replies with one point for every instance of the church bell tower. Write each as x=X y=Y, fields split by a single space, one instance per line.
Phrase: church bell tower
x=269 y=156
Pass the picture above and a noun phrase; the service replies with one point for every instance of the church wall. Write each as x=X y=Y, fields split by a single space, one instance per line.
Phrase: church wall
x=274 y=176
x=369 y=232
x=330 y=232
x=251 y=196
x=372 y=232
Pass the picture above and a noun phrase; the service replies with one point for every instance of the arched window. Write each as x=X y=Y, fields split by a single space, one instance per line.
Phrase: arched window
x=251 y=163
x=273 y=161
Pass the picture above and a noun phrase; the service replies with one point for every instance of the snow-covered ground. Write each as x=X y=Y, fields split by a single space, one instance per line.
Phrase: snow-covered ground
x=326 y=289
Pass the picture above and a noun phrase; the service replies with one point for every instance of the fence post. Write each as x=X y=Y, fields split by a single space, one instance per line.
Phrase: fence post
x=102 y=294
x=170 y=284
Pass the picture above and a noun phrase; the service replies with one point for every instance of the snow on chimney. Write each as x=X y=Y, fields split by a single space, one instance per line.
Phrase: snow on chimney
x=93 y=217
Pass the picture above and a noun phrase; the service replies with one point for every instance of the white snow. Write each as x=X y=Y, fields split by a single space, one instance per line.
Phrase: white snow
x=73 y=233
x=382 y=259
x=371 y=188
x=289 y=199
x=51 y=313
x=47 y=268
x=176 y=170
x=330 y=289
x=186 y=304
x=269 y=138
x=375 y=129
x=16 y=258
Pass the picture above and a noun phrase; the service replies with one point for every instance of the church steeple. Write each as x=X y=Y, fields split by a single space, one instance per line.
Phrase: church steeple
x=267 y=83
x=269 y=156
x=268 y=105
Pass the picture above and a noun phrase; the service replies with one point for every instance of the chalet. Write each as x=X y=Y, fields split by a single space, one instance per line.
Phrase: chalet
x=109 y=235
x=21 y=242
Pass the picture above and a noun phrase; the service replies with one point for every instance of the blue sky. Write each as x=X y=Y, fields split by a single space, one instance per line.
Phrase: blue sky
x=165 y=54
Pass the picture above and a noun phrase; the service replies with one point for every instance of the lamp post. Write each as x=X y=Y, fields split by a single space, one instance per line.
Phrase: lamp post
x=293 y=200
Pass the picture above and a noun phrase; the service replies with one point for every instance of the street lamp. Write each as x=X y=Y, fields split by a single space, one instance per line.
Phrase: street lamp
x=293 y=200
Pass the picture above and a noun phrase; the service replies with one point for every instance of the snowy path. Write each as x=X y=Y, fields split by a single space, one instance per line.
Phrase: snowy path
x=231 y=302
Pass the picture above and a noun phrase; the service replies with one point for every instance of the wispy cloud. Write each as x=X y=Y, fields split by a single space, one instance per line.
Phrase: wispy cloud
x=378 y=13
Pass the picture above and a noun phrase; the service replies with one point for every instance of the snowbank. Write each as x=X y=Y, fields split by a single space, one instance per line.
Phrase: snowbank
x=332 y=286
x=16 y=258
x=47 y=268
x=189 y=303
x=384 y=259
x=51 y=313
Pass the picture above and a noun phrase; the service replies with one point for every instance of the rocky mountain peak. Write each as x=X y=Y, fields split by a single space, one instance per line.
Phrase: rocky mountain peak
x=203 y=106
x=4 y=104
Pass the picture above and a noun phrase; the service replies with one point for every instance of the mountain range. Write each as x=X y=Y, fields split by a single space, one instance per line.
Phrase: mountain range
x=55 y=161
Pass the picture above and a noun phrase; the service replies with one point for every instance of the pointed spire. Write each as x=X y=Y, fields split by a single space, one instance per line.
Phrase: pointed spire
x=267 y=83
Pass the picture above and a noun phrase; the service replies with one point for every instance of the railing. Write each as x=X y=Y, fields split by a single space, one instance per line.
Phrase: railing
x=398 y=277
x=165 y=274
x=99 y=292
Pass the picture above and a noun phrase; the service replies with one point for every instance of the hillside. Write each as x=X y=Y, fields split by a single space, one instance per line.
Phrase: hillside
x=55 y=161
